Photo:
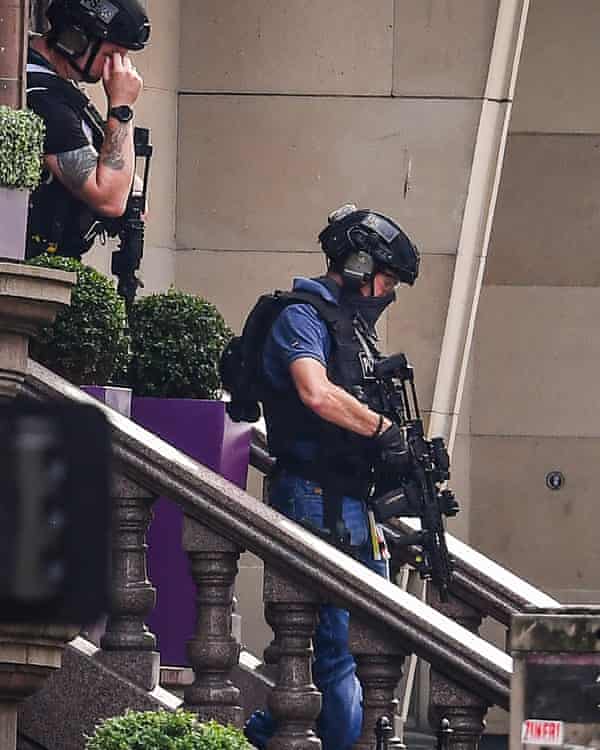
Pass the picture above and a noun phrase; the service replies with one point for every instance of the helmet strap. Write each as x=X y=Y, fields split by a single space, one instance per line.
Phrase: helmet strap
x=95 y=48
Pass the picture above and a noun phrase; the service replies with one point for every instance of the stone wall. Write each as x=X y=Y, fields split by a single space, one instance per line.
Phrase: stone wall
x=535 y=364
x=537 y=356
x=287 y=111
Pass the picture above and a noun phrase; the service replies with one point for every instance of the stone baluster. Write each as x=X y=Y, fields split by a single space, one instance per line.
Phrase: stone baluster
x=127 y=645
x=379 y=662
x=464 y=710
x=213 y=652
x=295 y=703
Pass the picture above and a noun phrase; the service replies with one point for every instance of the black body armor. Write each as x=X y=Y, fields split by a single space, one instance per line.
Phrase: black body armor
x=344 y=459
x=58 y=221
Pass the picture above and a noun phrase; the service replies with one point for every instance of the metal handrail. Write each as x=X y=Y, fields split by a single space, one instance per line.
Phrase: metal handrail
x=155 y=465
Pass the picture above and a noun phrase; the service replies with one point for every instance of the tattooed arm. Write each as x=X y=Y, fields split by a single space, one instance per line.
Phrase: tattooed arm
x=103 y=181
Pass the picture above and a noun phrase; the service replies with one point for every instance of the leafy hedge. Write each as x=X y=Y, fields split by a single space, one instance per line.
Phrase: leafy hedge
x=176 y=343
x=87 y=342
x=160 y=730
x=21 y=148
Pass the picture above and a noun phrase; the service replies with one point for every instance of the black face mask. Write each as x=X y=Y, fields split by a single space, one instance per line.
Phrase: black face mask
x=370 y=309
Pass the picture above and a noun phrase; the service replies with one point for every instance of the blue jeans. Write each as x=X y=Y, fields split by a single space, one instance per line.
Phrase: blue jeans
x=334 y=670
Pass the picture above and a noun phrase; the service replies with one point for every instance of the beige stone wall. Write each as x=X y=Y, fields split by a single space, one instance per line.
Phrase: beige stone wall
x=289 y=110
x=536 y=363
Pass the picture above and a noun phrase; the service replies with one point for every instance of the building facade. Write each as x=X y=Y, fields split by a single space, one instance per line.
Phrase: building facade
x=267 y=115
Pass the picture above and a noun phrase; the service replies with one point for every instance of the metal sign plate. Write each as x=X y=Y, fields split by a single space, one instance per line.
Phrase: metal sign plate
x=563 y=688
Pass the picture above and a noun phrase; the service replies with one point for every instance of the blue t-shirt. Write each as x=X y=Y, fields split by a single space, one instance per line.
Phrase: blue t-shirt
x=298 y=332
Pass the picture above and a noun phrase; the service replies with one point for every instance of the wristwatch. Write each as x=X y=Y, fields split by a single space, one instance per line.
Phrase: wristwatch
x=124 y=113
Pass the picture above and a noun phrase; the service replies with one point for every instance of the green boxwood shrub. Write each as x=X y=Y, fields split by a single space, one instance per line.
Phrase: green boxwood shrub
x=160 y=730
x=176 y=343
x=21 y=148
x=87 y=342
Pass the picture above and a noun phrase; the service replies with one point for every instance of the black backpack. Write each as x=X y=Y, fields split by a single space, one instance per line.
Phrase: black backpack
x=241 y=367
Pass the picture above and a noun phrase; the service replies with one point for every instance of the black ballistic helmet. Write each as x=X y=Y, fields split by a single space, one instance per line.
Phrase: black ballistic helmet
x=352 y=230
x=122 y=22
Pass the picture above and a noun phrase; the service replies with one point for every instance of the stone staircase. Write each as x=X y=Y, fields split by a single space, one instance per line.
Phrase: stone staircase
x=388 y=624
x=58 y=685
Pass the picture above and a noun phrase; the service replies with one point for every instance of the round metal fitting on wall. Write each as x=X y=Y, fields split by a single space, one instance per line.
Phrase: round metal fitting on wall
x=555 y=480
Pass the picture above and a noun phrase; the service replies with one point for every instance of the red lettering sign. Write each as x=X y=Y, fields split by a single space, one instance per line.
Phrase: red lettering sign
x=540 y=732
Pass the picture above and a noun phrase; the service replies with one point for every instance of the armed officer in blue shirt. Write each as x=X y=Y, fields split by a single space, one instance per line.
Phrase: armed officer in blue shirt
x=326 y=429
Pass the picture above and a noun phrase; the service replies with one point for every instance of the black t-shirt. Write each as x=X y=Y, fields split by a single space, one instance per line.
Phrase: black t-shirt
x=56 y=216
x=65 y=130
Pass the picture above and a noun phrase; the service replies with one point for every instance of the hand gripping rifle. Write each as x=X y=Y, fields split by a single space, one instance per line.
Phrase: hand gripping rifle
x=420 y=492
x=130 y=227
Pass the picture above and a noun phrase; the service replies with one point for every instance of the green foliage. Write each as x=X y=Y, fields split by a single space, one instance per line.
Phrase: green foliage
x=21 y=148
x=160 y=730
x=87 y=342
x=176 y=343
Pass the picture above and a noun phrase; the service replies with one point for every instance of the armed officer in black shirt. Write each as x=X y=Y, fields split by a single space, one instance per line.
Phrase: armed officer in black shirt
x=89 y=164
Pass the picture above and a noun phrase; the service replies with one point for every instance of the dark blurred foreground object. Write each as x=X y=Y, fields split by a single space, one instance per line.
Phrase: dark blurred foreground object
x=54 y=512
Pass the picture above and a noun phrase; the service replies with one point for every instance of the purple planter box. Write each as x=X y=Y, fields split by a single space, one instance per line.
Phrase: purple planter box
x=116 y=397
x=203 y=431
x=14 y=205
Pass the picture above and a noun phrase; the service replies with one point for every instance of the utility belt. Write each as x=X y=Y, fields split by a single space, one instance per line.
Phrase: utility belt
x=342 y=480
x=336 y=486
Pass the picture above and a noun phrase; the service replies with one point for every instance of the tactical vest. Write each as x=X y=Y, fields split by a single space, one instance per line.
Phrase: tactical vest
x=344 y=460
x=58 y=221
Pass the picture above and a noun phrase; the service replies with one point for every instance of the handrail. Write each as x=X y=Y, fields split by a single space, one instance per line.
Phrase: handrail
x=478 y=580
x=155 y=465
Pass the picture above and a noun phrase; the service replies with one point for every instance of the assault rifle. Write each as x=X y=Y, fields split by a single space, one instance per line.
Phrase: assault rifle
x=420 y=492
x=130 y=227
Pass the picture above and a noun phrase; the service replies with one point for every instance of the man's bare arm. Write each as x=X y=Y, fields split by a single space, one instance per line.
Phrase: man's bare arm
x=329 y=401
x=103 y=181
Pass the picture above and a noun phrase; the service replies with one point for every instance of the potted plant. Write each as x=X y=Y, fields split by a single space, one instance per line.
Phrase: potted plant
x=158 y=730
x=87 y=343
x=21 y=154
x=176 y=343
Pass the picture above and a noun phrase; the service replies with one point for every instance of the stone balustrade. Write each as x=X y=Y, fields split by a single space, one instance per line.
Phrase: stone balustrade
x=386 y=623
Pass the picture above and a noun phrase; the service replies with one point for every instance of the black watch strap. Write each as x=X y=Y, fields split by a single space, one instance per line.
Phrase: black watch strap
x=123 y=113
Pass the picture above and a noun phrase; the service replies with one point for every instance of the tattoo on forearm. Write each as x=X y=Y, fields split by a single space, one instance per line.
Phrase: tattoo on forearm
x=76 y=166
x=112 y=150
